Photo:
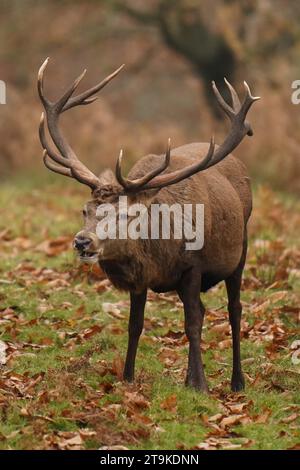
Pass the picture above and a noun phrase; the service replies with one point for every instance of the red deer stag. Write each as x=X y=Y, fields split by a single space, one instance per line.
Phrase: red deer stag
x=196 y=173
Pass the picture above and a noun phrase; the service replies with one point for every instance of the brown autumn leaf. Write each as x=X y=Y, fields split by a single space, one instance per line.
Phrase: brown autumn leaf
x=213 y=443
x=263 y=417
x=87 y=433
x=205 y=446
x=89 y=332
x=175 y=335
x=118 y=367
x=221 y=328
x=115 y=329
x=22 y=243
x=6 y=234
x=294 y=447
x=24 y=412
x=169 y=404
x=168 y=356
x=141 y=419
x=290 y=418
x=113 y=310
x=69 y=441
x=94 y=271
x=232 y=420
x=215 y=418
x=46 y=341
x=80 y=311
x=55 y=246
x=3 y=355
x=136 y=400
x=8 y=313
x=260 y=309
x=43 y=307
x=225 y=344
x=237 y=407
x=116 y=447
x=43 y=397
x=277 y=296
x=103 y=286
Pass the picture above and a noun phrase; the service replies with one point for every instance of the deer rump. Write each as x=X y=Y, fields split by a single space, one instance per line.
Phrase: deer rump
x=225 y=191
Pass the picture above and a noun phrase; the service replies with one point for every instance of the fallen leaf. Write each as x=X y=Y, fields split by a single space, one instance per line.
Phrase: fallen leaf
x=55 y=246
x=295 y=447
x=118 y=367
x=136 y=400
x=215 y=418
x=72 y=443
x=3 y=348
x=117 y=447
x=290 y=418
x=89 y=332
x=236 y=407
x=231 y=420
x=221 y=328
x=225 y=344
x=170 y=403
x=263 y=418
x=113 y=310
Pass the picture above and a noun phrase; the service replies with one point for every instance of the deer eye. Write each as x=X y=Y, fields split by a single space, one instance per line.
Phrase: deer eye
x=84 y=213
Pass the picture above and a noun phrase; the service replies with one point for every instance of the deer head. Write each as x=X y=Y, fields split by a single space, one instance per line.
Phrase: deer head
x=109 y=186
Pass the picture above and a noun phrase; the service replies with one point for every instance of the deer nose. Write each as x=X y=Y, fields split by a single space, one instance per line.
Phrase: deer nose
x=82 y=243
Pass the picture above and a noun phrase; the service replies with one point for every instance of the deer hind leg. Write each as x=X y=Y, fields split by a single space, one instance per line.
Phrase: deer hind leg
x=189 y=293
x=233 y=286
x=135 y=328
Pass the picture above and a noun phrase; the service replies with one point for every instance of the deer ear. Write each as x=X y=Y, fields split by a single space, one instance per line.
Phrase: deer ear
x=107 y=177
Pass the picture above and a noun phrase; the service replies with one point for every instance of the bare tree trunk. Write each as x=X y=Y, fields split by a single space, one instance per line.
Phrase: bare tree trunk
x=182 y=30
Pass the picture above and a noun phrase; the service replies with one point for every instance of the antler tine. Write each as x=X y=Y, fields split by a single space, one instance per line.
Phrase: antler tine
x=40 y=84
x=75 y=168
x=119 y=176
x=248 y=101
x=84 y=98
x=236 y=104
x=226 y=108
x=168 y=154
x=55 y=168
x=140 y=183
x=51 y=153
x=69 y=92
x=66 y=166
x=178 y=175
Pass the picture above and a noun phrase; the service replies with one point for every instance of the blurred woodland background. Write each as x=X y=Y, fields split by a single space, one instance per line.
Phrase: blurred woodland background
x=172 y=50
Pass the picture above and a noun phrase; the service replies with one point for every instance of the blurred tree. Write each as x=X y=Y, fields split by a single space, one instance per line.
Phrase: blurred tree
x=183 y=29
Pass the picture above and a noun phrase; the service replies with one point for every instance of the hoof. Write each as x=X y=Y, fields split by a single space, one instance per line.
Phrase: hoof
x=128 y=378
x=238 y=384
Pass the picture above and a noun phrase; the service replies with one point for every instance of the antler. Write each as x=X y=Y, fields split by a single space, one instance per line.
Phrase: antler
x=152 y=180
x=66 y=161
x=239 y=128
x=237 y=114
x=139 y=182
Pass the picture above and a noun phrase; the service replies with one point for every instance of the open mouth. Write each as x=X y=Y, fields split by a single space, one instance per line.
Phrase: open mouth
x=88 y=257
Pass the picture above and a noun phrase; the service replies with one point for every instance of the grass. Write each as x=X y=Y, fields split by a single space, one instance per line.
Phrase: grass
x=61 y=385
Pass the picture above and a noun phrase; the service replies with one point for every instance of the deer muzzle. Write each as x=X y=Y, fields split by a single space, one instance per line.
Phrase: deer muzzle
x=87 y=246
